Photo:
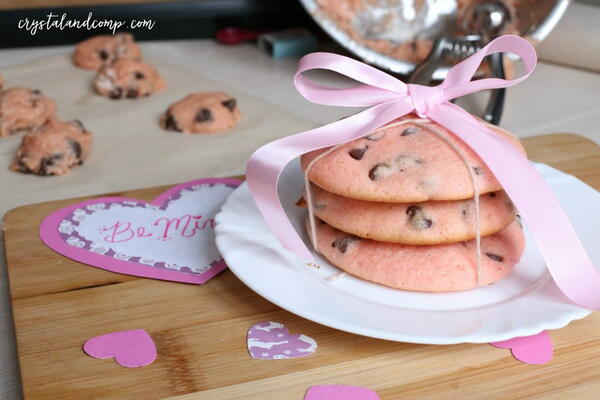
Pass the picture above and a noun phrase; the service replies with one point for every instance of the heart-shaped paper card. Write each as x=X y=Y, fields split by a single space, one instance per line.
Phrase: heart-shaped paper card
x=171 y=238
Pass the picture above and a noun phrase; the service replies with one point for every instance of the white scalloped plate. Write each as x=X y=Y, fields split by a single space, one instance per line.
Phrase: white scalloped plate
x=524 y=303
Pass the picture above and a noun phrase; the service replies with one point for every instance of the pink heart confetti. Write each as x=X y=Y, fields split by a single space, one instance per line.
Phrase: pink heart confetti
x=171 y=238
x=536 y=349
x=340 y=392
x=131 y=349
x=270 y=340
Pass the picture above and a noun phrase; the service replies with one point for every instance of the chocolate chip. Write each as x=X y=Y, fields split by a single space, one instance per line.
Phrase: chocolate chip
x=75 y=147
x=409 y=131
x=374 y=136
x=170 y=122
x=495 y=257
x=478 y=171
x=417 y=218
x=23 y=167
x=342 y=244
x=44 y=164
x=139 y=75
x=57 y=157
x=103 y=54
x=357 y=154
x=319 y=206
x=204 y=115
x=492 y=194
x=380 y=171
x=132 y=94
x=519 y=220
x=36 y=91
x=77 y=123
x=116 y=93
x=230 y=104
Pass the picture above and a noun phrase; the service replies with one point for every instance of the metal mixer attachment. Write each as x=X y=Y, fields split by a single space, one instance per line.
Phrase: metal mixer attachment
x=486 y=20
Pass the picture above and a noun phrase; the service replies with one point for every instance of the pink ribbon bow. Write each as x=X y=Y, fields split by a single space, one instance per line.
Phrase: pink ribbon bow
x=388 y=99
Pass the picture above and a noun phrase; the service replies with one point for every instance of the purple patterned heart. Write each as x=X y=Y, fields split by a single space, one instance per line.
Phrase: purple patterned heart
x=270 y=340
x=170 y=238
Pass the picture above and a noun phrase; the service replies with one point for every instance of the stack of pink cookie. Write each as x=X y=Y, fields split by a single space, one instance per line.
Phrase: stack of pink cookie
x=396 y=207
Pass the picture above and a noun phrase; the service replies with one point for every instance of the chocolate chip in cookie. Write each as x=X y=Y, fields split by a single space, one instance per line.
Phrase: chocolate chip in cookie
x=230 y=104
x=374 y=136
x=380 y=171
x=345 y=243
x=358 y=153
x=204 y=115
x=495 y=257
x=411 y=130
x=170 y=123
x=417 y=218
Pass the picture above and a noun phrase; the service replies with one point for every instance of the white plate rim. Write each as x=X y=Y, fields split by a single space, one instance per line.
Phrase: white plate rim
x=223 y=243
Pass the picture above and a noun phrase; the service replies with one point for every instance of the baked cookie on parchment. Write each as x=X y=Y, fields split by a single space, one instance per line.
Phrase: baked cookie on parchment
x=97 y=51
x=210 y=112
x=23 y=109
x=128 y=79
x=53 y=148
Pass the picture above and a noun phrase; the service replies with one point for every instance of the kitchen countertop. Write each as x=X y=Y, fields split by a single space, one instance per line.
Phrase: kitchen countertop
x=554 y=99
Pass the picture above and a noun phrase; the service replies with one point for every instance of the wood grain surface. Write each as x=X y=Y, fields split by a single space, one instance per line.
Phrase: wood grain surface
x=200 y=331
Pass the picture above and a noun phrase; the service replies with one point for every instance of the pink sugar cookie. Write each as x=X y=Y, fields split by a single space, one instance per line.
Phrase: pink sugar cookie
x=432 y=222
x=24 y=109
x=128 y=79
x=100 y=50
x=436 y=268
x=405 y=162
x=202 y=112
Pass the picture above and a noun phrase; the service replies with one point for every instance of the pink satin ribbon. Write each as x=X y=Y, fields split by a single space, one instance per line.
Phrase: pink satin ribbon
x=388 y=99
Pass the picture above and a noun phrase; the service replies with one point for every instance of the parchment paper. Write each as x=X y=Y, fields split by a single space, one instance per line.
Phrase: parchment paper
x=130 y=149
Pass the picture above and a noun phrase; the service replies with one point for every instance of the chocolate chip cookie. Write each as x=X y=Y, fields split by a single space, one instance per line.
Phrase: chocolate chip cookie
x=23 y=109
x=406 y=161
x=128 y=79
x=97 y=51
x=202 y=113
x=426 y=223
x=436 y=268
x=53 y=148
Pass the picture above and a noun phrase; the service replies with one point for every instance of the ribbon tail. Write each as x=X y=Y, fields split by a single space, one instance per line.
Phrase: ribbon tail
x=566 y=259
x=267 y=163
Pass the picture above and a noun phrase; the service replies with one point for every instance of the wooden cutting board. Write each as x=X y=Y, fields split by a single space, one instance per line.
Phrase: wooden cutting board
x=200 y=331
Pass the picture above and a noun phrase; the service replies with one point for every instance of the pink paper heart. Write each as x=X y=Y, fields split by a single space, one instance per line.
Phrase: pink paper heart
x=536 y=349
x=170 y=238
x=340 y=392
x=270 y=340
x=130 y=349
